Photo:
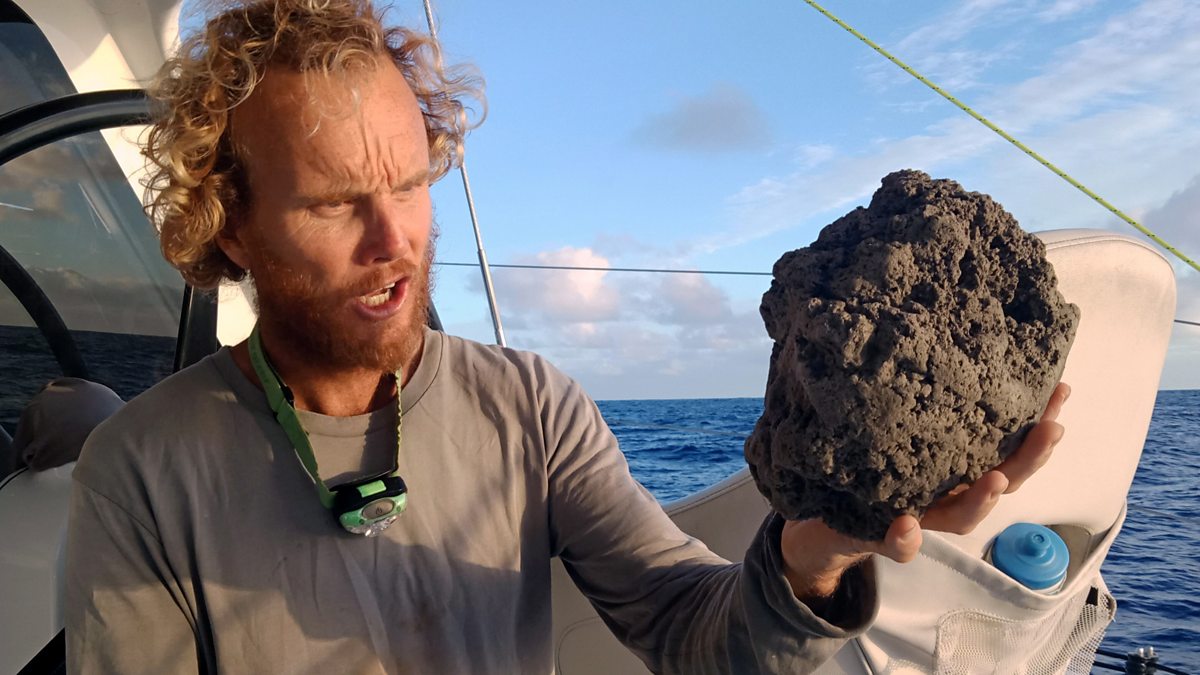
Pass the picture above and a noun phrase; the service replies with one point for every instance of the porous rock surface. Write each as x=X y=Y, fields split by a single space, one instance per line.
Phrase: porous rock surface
x=916 y=342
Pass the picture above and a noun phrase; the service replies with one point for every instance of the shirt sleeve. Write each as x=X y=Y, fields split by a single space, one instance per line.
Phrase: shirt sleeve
x=674 y=603
x=124 y=607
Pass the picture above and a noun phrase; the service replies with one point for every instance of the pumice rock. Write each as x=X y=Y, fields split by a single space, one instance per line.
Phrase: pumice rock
x=916 y=342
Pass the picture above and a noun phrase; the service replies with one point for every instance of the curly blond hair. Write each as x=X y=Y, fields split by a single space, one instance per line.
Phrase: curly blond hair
x=196 y=185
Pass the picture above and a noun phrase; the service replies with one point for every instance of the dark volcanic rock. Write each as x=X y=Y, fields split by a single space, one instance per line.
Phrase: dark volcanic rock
x=916 y=342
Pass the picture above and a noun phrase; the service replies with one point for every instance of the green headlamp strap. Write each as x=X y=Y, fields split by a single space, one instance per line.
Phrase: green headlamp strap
x=282 y=403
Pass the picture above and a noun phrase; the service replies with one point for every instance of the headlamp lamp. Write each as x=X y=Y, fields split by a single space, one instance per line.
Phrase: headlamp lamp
x=369 y=507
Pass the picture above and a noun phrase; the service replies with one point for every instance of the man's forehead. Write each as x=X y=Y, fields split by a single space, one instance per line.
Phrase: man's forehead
x=342 y=185
x=285 y=94
x=329 y=123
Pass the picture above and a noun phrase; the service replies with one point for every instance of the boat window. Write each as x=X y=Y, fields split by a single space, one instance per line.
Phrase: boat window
x=30 y=72
x=70 y=218
x=79 y=253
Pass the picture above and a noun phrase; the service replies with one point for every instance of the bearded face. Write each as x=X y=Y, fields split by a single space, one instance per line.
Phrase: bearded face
x=312 y=317
x=339 y=231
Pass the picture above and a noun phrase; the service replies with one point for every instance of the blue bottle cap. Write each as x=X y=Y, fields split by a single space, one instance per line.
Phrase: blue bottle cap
x=1032 y=554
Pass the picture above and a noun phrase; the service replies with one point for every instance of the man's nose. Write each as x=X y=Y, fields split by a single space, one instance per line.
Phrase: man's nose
x=386 y=231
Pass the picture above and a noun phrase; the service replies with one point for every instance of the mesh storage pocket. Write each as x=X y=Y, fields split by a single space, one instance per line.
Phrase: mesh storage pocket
x=1064 y=640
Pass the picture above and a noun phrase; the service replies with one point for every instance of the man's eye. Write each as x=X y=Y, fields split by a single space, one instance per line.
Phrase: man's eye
x=332 y=207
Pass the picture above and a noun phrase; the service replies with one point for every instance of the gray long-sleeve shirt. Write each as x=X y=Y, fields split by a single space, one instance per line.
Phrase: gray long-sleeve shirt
x=197 y=540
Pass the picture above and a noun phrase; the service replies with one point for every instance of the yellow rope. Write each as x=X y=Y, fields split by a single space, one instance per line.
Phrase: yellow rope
x=983 y=120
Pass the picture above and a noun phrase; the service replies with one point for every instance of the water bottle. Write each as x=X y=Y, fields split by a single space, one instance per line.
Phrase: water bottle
x=1034 y=555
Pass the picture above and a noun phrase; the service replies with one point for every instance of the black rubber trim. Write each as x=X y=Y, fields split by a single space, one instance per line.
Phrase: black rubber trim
x=197 y=328
x=33 y=126
x=43 y=313
x=51 y=660
x=10 y=13
x=12 y=476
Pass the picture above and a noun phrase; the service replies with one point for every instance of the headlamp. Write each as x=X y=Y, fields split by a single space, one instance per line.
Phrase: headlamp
x=369 y=508
x=366 y=506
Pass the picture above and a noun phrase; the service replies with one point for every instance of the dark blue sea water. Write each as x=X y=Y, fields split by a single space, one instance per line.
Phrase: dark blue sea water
x=677 y=447
x=29 y=364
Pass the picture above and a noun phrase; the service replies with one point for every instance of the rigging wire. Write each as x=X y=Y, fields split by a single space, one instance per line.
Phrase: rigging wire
x=1021 y=146
x=653 y=270
x=462 y=170
x=609 y=269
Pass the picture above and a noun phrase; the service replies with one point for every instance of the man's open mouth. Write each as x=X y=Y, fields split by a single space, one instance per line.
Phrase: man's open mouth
x=379 y=296
x=383 y=302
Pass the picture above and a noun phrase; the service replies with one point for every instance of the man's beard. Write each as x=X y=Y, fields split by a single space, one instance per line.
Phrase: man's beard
x=312 y=320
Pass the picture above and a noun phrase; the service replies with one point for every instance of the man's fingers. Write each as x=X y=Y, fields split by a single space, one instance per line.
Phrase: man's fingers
x=834 y=549
x=960 y=513
x=1061 y=393
x=965 y=506
x=903 y=539
x=1032 y=455
x=1039 y=443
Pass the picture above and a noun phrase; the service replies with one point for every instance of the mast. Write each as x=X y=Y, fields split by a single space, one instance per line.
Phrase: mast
x=483 y=263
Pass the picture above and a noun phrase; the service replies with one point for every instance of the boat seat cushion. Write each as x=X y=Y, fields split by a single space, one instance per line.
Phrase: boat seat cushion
x=58 y=419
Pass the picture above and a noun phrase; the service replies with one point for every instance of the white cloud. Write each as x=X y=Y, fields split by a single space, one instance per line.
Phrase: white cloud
x=722 y=119
x=637 y=359
x=954 y=26
x=610 y=329
x=809 y=156
x=687 y=300
x=780 y=203
x=1178 y=219
x=1135 y=57
x=1117 y=108
x=947 y=49
x=942 y=50
x=567 y=295
x=1135 y=157
x=1182 y=367
x=1187 y=306
x=1062 y=9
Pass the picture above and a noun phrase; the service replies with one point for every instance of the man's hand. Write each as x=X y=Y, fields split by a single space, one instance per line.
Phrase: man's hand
x=815 y=556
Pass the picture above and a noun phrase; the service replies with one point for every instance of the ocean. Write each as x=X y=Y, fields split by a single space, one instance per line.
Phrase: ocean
x=676 y=447
x=29 y=364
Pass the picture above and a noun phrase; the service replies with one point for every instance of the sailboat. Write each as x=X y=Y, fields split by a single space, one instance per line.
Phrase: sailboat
x=1125 y=288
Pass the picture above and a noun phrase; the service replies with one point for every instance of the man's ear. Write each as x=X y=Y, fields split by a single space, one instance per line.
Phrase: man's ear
x=231 y=241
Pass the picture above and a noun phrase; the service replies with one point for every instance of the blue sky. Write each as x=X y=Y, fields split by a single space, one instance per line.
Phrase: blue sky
x=720 y=135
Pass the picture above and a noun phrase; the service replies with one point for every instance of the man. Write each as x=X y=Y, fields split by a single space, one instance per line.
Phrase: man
x=297 y=143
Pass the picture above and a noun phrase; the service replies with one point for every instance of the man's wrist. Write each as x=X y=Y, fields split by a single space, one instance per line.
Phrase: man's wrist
x=813 y=587
x=813 y=569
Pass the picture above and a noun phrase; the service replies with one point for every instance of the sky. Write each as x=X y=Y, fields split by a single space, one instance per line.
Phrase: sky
x=720 y=135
